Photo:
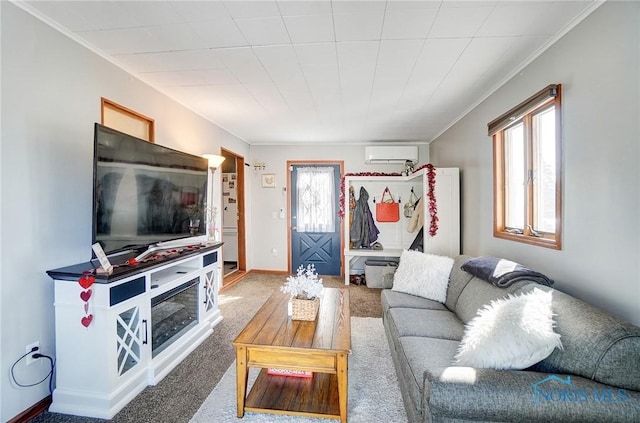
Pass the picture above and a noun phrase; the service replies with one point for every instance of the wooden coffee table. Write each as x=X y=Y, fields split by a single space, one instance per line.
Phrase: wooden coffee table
x=272 y=340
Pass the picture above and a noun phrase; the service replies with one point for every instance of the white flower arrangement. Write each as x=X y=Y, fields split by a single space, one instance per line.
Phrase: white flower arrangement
x=305 y=285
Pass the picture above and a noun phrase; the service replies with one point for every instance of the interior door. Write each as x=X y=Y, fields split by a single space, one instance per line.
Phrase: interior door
x=315 y=225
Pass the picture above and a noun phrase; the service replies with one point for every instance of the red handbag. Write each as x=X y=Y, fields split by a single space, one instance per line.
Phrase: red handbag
x=387 y=210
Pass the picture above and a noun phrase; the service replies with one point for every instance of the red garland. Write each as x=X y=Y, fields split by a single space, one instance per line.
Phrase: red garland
x=431 y=195
x=431 y=179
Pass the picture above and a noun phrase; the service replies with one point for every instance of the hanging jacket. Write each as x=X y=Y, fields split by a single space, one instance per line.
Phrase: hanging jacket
x=363 y=230
x=417 y=219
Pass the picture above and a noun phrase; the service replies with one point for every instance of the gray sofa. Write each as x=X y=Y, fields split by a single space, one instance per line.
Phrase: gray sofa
x=594 y=378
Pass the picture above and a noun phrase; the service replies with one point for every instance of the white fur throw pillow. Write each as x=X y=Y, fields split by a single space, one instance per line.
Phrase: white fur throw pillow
x=424 y=275
x=511 y=333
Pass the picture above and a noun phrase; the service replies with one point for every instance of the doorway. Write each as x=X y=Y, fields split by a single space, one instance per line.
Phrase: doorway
x=315 y=231
x=233 y=217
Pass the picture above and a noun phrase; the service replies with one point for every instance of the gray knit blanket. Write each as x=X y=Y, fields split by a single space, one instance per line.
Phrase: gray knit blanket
x=503 y=273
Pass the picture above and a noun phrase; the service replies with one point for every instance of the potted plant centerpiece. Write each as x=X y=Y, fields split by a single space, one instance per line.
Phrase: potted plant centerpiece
x=305 y=289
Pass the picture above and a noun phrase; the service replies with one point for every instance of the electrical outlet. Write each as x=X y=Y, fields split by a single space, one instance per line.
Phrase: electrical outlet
x=274 y=252
x=29 y=348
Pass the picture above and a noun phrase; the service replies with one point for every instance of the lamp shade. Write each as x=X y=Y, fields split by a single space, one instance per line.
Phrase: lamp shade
x=214 y=160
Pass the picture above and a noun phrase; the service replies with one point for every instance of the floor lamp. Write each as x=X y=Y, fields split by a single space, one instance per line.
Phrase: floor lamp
x=214 y=162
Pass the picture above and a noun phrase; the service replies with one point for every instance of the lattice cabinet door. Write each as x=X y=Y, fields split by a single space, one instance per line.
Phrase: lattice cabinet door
x=210 y=289
x=131 y=335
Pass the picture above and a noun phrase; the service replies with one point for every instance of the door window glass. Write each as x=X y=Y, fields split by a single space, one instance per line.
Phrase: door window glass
x=316 y=199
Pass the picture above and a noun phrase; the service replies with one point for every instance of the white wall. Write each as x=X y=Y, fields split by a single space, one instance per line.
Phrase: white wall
x=597 y=64
x=51 y=89
x=267 y=232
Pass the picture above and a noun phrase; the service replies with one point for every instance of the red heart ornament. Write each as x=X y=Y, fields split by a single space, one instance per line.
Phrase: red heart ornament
x=86 y=281
x=86 y=321
x=85 y=295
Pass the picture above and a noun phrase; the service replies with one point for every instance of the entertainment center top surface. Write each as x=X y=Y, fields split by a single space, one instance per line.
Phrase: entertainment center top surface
x=122 y=270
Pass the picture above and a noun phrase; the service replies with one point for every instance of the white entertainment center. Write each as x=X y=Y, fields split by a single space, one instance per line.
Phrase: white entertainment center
x=394 y=236
x=147 y=317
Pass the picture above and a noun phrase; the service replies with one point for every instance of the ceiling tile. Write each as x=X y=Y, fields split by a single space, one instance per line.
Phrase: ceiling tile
x=459 y=21
x=317 y=54
x=470 y=3
x=560 y=14
x=189 y=78
x=408 y=23
x=173 y=37
x=358 y=26
x=121 y=41
x=171 y=61
x=323 y=82
x=221 y=32
x=88 y=15
x=358 y=6
x=149 y=13
x=396 y=58
x=510 y=19
x=269 y=96
x=304 y=7
x=413 y=4
x=310 y=28
x=280 y=62
x=194 y=11
x=358 y=57
x=244 y=65
x=437 y=58
x=264 y=31
x=252 y=9
x=473 y=66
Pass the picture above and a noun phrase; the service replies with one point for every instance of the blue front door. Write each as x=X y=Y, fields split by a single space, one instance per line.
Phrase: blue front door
x=315 y=226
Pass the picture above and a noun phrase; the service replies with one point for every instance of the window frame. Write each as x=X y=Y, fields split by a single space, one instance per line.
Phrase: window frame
x=524 y=113
x=108 y=106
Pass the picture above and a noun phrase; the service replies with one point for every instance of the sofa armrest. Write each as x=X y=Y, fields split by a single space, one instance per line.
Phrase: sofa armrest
x=514 y=395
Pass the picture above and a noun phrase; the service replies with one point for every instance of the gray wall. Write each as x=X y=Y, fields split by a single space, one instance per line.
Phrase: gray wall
x=598 y=65
x=51 y=89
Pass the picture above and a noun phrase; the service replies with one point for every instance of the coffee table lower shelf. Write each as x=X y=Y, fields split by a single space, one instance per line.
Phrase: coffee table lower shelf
x=312 y=397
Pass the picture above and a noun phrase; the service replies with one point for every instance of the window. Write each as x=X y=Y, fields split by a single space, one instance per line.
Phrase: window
x=316 y=199
x=527 y=170
x=126 y=120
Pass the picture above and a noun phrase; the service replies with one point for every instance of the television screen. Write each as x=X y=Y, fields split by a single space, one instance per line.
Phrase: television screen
x=144 y=193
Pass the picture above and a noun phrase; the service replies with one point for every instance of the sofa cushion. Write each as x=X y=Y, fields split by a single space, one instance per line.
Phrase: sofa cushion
x=429 y=323
x=512 y=333
x=478 y=293
x=596 y=345
x=424 y=275
x=391 y=299
x=458 y=280
x=419 y=356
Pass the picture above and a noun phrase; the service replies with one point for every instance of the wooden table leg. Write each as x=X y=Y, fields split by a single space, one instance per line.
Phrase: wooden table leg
x=343 y=379
x=241 y=378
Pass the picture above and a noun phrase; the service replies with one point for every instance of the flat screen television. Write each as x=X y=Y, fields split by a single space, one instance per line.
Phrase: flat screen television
x=144 y=193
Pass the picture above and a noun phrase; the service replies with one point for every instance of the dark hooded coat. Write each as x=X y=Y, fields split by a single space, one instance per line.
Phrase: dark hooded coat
x=363 y=230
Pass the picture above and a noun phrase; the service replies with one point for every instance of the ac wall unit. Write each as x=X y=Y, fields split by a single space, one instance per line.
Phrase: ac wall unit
x=388 y=154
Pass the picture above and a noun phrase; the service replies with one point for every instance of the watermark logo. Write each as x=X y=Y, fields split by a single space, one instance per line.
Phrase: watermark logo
x=557 y=389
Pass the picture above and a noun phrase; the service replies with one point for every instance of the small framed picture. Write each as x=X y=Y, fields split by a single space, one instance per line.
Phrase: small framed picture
x=268 y=180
